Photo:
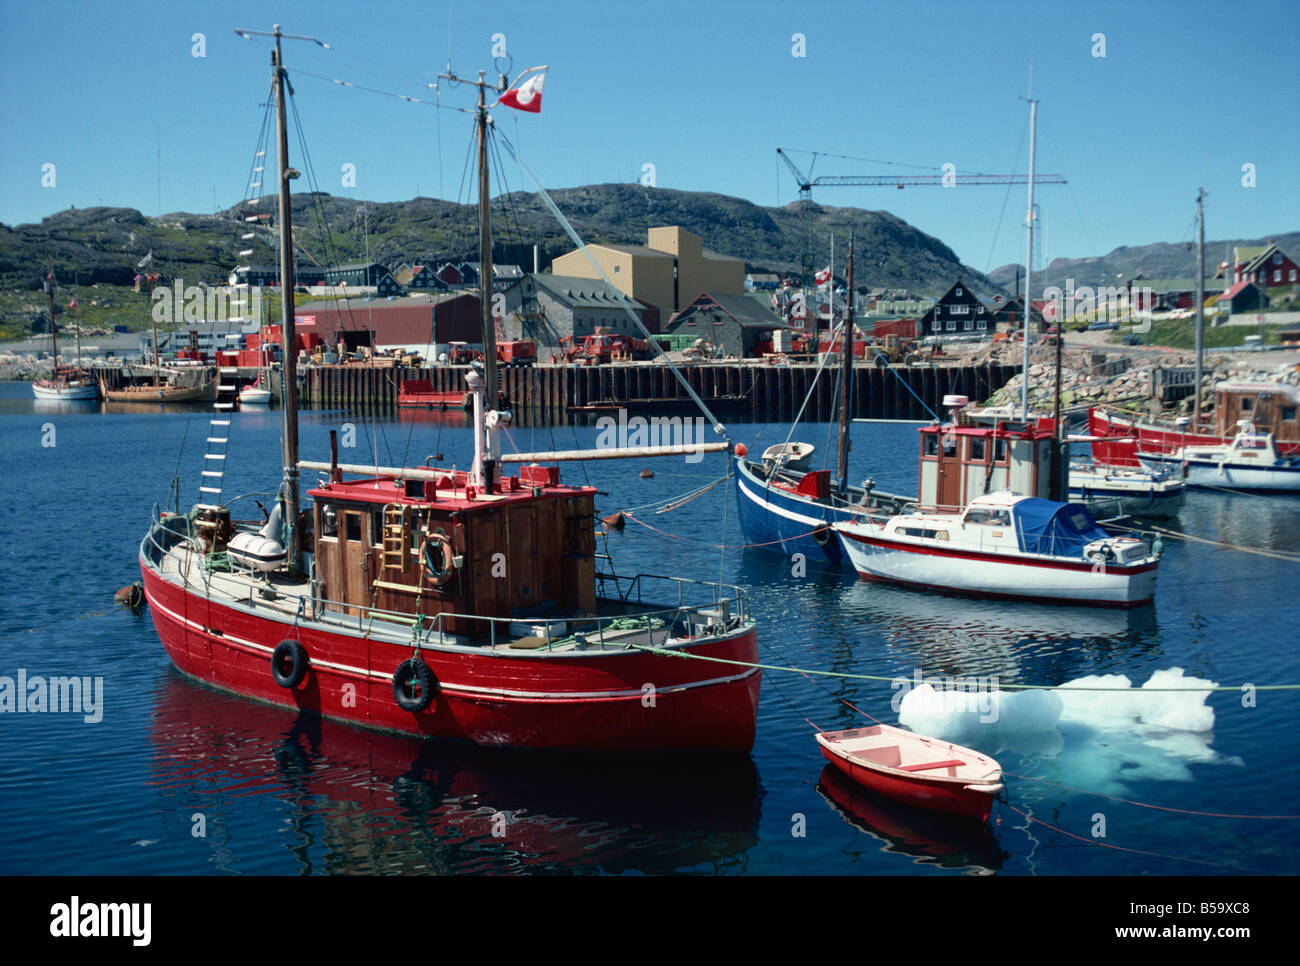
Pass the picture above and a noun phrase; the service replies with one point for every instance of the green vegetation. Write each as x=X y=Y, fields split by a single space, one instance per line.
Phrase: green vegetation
x=1181 y=334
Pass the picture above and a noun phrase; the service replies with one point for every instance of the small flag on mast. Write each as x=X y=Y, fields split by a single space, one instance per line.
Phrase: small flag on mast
x=823 y=276
x=526 y=95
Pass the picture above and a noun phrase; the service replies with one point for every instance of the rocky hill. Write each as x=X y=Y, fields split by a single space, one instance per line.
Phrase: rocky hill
x=1162 y=260
x=106 y=244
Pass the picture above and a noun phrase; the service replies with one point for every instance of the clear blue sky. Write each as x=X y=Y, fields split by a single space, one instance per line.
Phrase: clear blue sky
x=1187 y=93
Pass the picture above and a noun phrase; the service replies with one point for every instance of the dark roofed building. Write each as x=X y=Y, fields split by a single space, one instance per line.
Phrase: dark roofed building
x=735 y=324
x=547 y=308
x=355 y=273
x=958 y=312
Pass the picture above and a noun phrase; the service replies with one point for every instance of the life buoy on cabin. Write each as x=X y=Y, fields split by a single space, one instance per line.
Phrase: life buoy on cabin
x=289 y=663
x=413 y=685
x=437 y=559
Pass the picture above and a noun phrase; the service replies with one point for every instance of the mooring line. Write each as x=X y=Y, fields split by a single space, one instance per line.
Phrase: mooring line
x=845 y=675
x=1123 y=848
x=1161 y=808
x=1275 y=554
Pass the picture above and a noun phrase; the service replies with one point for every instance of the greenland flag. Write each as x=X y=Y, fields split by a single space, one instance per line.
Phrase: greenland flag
x=526 y=95
x=824 y=276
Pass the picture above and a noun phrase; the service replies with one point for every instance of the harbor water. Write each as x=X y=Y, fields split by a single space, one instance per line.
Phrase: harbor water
x=167 y=776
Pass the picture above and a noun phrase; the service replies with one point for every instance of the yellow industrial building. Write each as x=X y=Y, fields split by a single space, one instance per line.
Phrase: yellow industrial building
x=667 y=273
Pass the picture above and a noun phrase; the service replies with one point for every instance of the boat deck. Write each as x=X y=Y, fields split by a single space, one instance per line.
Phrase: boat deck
x=613 y=626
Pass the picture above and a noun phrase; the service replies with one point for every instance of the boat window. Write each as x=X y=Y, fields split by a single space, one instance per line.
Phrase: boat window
x=924 y=533
x=987 y=517
x=977 y=449
x=949 y=445
x=329 y=518
x=1288 y=412
x=931 y=444
x=1245 y=405
x=377 y=527
x=1000 y=451
x=352 y=526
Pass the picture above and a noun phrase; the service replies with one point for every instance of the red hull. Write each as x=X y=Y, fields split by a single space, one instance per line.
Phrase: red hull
x=1121 y=437
x=592 y=702
x=947 y=797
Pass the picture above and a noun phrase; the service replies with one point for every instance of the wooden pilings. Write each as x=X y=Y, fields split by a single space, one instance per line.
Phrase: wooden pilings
x=540 y=394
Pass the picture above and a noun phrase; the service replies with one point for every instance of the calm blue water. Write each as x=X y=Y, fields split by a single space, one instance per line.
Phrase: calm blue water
x=274 y=794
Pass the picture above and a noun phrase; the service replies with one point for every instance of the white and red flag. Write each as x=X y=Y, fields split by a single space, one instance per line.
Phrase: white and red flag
x=525 y=93
x=824 y=276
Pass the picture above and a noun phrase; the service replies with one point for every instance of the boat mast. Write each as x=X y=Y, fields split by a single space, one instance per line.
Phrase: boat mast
x=289 y=371
x=78 y=319
x=54 y=338
x=1200 y=302
x=846 y=376
x=1029 y=262
x=490 y=393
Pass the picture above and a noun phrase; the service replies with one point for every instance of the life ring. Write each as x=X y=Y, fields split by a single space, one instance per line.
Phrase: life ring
x=413 y=685
x=289 y=663
x=822 y=537
x=438 y=572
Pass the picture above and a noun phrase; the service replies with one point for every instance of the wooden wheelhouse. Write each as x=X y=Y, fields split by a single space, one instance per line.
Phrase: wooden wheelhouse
x=436 y=544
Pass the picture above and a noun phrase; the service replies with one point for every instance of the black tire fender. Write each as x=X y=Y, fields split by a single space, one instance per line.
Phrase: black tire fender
x=289 y=663
x=414 y=685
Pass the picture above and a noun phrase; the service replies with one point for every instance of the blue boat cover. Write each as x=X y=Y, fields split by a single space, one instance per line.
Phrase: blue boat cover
x=1060 y=529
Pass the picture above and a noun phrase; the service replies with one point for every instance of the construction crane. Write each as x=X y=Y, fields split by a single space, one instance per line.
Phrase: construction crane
x=807 y=182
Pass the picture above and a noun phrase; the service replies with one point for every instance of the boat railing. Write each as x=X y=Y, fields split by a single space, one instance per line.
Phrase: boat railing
x=725 y=609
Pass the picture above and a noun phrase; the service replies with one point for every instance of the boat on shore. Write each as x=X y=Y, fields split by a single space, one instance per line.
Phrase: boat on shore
x=1249 y=462
x=441 y=602
x=915 y=770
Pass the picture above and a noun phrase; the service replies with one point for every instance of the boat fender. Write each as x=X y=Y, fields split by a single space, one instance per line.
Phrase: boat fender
x=289 y=663
x=822 y=537
x=413 y=685
x=437 y=568
x=131 y=596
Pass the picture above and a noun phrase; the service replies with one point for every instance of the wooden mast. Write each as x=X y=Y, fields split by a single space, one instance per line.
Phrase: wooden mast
x=289 y=370
x=490 y=392
x=54 y=338
x=846 y=376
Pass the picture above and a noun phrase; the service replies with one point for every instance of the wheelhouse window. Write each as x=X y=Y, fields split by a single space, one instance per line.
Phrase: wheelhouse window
x=977 y=448
x=931 y=444
x=1000 y=451
x=1246 y=405
x=352 y=525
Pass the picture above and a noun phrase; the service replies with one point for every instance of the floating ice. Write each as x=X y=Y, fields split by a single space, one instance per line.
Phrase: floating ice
x=1101 y=738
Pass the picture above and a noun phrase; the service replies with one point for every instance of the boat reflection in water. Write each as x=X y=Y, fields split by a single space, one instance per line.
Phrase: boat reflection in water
x=961 y=635
x=368 y=802
x=932 y=838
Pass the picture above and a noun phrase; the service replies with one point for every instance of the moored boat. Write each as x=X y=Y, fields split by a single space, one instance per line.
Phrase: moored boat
x=1004 y=545
x=1122 y=492
x=420 y=394
x=1249 y=462
x=443 y=602
x=914 y=769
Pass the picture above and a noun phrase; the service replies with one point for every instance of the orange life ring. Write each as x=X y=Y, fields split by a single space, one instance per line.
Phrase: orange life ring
x=440 y=574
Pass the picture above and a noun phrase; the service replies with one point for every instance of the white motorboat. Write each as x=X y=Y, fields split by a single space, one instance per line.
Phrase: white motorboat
x=1004 y=545
x=1110 y=491
x=1249 y=462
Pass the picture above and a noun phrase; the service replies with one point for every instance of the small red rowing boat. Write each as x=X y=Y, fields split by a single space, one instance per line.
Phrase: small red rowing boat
x=914 y=769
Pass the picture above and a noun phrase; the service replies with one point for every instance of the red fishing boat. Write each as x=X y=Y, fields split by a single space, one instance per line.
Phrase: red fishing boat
x=460 y=604
x=420 y=394
x=914 y=769
x=1272 y=407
